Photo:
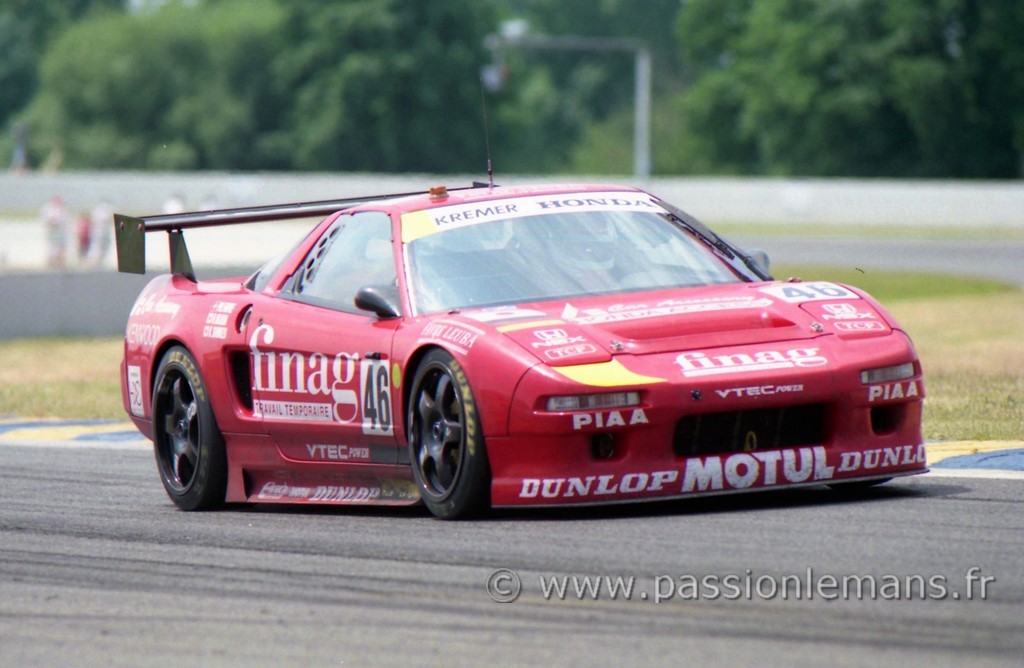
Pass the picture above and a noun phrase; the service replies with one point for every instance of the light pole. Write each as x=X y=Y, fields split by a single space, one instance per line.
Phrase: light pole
x=514 y=34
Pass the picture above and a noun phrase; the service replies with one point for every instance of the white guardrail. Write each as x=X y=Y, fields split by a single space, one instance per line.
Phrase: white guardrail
x=715 y=200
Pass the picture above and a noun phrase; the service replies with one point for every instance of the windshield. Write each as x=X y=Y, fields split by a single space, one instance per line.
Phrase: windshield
x=552 y=256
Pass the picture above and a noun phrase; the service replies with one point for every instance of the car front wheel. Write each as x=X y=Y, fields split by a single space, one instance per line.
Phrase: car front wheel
x=446 y=444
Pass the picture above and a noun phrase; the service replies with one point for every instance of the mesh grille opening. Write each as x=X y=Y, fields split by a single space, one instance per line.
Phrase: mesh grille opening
x=887 y=419
x=759 y=429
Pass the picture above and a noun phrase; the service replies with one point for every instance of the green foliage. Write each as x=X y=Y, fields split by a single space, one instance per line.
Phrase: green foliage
x=26 y=28
x=859 y=87
x=601 y=83
x=388 y=85
x=17 y=67
x=606 y=148
x=580 y=103
x=172 y=88
x=383 y=85
x=929 y=88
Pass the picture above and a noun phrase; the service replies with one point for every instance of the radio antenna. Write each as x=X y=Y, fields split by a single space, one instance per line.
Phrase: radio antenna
x=487 y=135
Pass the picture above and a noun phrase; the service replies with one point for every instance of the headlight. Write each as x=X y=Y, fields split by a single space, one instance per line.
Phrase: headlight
x=586 y=402
x=887 y=374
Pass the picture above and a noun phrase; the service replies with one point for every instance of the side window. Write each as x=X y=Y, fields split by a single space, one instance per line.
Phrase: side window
x=355 y=252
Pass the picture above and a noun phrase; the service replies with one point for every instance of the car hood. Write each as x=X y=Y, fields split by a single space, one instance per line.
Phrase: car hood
x=583 y=330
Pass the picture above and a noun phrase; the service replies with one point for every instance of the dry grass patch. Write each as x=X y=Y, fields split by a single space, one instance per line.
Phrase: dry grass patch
x=68 y=378
x=972 y=352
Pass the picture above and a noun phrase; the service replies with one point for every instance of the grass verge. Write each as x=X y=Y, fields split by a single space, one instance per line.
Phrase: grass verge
x=889 y=287
x=61 y=377
x=966 y=331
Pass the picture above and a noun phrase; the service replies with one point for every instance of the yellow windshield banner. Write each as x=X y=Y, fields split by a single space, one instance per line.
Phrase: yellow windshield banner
x=415 y=225
x=429 y=221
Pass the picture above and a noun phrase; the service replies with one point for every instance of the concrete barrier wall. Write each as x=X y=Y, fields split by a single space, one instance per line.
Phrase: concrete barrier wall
x=66 y=304
x=72 y=303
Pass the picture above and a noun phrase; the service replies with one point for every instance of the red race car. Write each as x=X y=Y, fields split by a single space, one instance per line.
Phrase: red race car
x=507 y=346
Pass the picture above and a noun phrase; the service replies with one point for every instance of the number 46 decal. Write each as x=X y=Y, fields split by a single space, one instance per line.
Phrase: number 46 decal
x=375 y=397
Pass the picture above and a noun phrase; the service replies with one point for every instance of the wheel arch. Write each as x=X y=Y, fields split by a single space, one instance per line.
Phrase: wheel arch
x=412 y=365
x=160 y=352
x=495 y=368
x=158 y=355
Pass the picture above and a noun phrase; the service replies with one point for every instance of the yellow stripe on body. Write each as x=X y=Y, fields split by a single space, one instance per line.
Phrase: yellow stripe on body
x=605 y=374
x=516 y=326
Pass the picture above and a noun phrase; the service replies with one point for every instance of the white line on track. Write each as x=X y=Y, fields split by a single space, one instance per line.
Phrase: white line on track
x=99 y=445
x=976 y=473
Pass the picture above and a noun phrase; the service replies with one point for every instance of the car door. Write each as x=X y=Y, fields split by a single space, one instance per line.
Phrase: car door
x=321 y=368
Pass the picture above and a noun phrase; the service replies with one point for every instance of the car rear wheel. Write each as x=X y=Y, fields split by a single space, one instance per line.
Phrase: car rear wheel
x=188 y=445
x=446 y=444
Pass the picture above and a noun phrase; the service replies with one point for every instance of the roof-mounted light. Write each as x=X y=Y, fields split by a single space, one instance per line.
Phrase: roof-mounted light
x=438 y=192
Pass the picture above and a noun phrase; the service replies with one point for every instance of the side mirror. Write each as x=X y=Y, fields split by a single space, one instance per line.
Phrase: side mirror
x=383 y=300
x=761 y=262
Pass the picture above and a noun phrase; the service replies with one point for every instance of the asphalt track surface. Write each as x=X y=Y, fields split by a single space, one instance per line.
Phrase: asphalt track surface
x=97 y=568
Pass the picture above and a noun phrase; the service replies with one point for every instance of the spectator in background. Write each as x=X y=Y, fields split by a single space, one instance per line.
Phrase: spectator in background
x=102 y=218
x=83 y=235
x=55 y=218
x=19 y=154
x=55 y=160
x=174 y=204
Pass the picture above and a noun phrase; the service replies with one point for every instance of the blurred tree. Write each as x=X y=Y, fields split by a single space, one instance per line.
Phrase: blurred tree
x=603 y=81
x=170 y=89
x=26 y=28
x=858 y=87
x=957 y=77
x=803 y=87
x=277 y=84
x=383 y=85
x=17 y=67
x=588 y=97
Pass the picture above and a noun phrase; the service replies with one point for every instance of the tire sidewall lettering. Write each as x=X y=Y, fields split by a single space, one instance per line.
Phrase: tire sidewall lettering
x=468 y=407
x=181 y=360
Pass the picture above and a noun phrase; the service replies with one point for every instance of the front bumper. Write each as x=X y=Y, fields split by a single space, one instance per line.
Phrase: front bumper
x=717 y=432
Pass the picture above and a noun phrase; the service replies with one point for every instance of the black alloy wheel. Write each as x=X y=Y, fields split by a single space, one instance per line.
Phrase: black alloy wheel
x=188 y=446
x=446 y=444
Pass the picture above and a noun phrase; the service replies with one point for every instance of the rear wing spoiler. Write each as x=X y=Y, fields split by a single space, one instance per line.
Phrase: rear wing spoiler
x=130 y=232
